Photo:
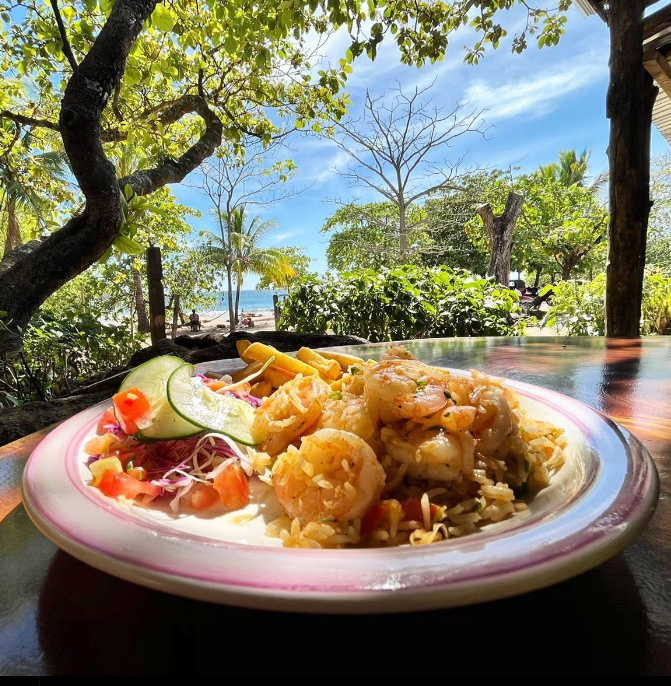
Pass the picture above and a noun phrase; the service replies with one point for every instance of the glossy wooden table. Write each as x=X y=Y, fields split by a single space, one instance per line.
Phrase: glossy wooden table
x=60 y=617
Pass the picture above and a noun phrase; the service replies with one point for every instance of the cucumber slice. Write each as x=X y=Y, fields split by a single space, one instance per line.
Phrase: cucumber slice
x=196 y=403
x=167 y=425
x=152 y=376
x=152 y=379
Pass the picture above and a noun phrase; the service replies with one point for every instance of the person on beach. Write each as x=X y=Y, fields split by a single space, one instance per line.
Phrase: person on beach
x=194 y=320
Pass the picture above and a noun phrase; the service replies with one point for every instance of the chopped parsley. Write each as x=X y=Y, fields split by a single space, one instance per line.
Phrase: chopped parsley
x=421 y=383
x=448 y=396
x=336 y=395
x=477 y=507
x=355 y=370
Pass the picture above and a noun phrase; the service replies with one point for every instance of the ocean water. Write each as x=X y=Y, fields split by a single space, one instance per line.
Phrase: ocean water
x=251 y=301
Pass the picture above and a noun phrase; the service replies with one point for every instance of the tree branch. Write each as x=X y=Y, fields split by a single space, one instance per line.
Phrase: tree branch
x=29 y=121
x=487 y=215
x=107 y=135
x=173 y=171
x=33 y=272
x=67 y=50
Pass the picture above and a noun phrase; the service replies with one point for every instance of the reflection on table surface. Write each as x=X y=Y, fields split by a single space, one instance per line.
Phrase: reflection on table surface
x=59 y=616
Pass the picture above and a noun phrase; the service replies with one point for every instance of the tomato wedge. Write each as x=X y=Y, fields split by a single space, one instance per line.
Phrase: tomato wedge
x=202 y=496
x=107 y=420
x=115 y=484
x=373 y=518
x=232 y=485
x=131 y=407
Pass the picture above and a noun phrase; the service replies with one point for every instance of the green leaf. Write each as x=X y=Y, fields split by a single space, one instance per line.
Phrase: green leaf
x=162 y=19
x=128 y=246
x=132 y=75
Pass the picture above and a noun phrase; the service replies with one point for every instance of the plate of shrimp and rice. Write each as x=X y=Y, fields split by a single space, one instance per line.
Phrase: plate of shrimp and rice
x=398 y=486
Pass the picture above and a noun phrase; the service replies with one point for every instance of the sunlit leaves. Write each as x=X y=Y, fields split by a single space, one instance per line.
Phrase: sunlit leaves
x=401 y=303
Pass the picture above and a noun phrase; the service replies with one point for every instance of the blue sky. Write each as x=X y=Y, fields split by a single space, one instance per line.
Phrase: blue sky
x=536 y=104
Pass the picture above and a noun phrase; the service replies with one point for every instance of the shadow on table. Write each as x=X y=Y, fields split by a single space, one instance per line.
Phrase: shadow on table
x=92 y=623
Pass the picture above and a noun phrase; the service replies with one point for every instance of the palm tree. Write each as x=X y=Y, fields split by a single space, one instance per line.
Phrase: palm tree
x=17 y=193
x=571 y=168
x=238 y=247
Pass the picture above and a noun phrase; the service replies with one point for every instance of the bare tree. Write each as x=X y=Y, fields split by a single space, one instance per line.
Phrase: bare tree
x=233 y=181
x=394 y=145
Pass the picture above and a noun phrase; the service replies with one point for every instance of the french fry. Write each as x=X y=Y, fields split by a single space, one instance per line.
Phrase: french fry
x=259 y=352
x=240 y=374
x=277 y=377
x=342 y=359
x=241 y=346
x=261 y=389
x=328 y=369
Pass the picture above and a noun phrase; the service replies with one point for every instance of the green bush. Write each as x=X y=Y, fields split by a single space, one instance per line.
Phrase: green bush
x=401 y=303
x=58 y=351
x=580 y=309
x=656 y=306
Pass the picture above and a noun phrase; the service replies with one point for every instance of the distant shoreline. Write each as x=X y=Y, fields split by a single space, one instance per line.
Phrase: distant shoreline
x=216 y=321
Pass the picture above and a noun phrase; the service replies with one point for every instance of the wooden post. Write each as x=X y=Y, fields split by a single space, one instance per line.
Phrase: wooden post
x=276 y=308
x=500 y=231
x=156 y=295
x=631 y=95
x=175 y=314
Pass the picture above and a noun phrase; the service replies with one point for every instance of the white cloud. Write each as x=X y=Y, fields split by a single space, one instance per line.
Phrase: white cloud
x=540 y=94
x=279 y=237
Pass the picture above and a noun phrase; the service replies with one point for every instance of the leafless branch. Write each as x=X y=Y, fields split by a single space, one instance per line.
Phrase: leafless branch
x=393 y=145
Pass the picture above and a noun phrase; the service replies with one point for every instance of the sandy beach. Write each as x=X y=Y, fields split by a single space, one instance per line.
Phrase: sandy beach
x=217 y=322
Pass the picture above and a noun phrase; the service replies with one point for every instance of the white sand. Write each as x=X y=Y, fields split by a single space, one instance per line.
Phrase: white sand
x=217 y=322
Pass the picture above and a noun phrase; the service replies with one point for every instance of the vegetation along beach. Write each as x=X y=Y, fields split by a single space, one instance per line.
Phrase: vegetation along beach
x=389 y=172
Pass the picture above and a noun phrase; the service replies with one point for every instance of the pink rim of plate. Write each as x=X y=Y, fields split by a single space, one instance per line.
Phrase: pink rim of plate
x=616 y=499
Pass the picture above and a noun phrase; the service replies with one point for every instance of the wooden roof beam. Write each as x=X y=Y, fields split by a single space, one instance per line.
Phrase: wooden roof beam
x=599 y=9
x=658 y=21
x=660 y=70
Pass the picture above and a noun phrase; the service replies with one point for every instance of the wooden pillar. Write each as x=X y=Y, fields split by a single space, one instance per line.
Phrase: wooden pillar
x=175 y=315
x=156 y=295
x=631 y=95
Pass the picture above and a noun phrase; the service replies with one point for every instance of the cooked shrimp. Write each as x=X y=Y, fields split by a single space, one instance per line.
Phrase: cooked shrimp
x=452 y=418
x=396 y=351
x=405 y=389
x=431 y=454
x=349 y=413
x=290 y=411
x=334 y=474
x=491 y=427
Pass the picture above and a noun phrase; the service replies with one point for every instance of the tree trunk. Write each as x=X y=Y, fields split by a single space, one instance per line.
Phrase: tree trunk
x=231 y=309
x=537 y=280
x=631 y=95
x=402 y=234
x=500 y=231
x=566 y=270
x=143 y=325
x=156 y=294
x=175 y=315
x=13 y=239
x=238 y=287
x=31 y=273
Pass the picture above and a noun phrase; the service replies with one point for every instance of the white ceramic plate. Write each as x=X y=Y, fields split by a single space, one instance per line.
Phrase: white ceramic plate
x=596 y=504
